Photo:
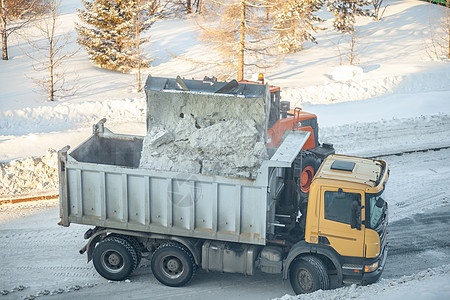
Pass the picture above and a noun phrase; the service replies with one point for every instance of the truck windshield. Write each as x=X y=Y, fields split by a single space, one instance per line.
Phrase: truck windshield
x=376 y=210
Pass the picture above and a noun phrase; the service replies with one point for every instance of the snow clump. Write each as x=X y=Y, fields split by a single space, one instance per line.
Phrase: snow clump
x=31 y=174
x=346 y=73
x=227 y=148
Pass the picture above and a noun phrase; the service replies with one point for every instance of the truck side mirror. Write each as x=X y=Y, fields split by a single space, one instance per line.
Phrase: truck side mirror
x=379 y=203
x=355 y=218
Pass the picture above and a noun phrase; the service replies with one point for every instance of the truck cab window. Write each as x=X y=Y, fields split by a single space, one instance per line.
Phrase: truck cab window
x=338 y=206
x=377 y=207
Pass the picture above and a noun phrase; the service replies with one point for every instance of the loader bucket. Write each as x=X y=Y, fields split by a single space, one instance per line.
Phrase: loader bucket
x=207 y=102
x=205 y=127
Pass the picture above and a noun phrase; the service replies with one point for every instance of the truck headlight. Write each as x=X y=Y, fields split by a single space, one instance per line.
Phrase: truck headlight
x=372 y=267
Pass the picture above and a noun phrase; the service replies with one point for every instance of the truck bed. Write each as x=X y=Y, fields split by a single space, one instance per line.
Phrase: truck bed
x=101 y=184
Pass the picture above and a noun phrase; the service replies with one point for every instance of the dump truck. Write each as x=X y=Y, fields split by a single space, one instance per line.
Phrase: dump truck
x=185 y=221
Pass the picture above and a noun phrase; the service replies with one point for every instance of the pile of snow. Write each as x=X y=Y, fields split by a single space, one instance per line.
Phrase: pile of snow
x=346 y=73
x=389 y=136
x=353 y=83
x=32 y=174
x=227 y=148
x=62 y=116
x=428 y=284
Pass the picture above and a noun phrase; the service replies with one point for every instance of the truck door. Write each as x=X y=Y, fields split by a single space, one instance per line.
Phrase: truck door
x=335 y=222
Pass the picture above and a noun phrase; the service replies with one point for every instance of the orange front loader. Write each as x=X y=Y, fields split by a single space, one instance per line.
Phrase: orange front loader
x=281 y=120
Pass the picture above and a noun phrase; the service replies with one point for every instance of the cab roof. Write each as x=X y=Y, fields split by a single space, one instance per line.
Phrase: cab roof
x=357 y=170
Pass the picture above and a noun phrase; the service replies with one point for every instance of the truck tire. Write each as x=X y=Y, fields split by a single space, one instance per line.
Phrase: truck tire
x=308 y=164
x=309 y=168
x=308 y=274
x=136 y=245
x=114 y=258
x=173 y=264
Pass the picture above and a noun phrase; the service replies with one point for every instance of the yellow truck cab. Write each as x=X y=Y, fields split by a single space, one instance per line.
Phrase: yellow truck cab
x=347 y=214
x=346 y=224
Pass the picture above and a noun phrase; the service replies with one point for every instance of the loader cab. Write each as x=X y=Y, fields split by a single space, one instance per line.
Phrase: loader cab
x=282 y=118
x=276 y=108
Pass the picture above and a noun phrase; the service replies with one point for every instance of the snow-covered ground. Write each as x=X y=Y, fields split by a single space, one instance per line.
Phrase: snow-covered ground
x=41 y=259
x=396 y=99
x=431 y=284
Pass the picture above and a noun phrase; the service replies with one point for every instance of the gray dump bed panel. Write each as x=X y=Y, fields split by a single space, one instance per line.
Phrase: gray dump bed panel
x=101 y=184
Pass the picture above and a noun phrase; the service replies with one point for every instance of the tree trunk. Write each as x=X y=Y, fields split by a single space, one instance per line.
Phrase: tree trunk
x=3 y=31
x=188 y=7
x=352 y=45
x=52 y=68
x=241 y=43
x=52 y=91
x=138 y=50
x=52 y=45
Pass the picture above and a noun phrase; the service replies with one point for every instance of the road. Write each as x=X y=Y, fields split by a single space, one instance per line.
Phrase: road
x=419 y=242
x=40 y=258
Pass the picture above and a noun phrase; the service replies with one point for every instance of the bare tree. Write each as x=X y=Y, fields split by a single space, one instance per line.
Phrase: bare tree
x=49 y=53
x=446 y=26
x=137 y=43
x=345 y=12
x=14 y=15
x=438 y=45
x=348 y=48
x=191 y=6
x=239 y=31
x=378 y=9
x=349 y=53
x=145 y=14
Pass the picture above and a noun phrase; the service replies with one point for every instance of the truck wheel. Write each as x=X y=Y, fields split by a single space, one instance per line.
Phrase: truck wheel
x=308 y=274
x=134 y=242
x=114 y=258
x=173 y=264
x=309 y=165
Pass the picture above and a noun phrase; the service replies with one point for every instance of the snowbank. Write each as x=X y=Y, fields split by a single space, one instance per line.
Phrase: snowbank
x=62 y=116
x=426 y=285
x=389 y=136
x=35 y=175
x=346 y=73
x=349 y=84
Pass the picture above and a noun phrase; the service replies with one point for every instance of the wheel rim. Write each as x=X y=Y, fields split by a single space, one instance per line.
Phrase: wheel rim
x=306 y=179
x=112 y=261
x=172 y=267
x=305 y=280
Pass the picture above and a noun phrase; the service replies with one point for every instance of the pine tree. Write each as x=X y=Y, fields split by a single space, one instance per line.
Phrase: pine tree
x=345 y=12
x=112 y=30
x=293 y=22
